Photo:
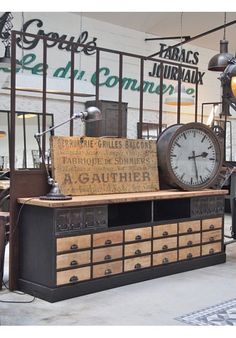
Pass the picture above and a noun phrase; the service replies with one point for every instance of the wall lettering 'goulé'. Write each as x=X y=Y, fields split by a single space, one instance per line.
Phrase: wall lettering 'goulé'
x=28 y=43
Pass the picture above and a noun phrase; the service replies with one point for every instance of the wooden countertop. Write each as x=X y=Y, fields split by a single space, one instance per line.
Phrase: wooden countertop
x=119 y=198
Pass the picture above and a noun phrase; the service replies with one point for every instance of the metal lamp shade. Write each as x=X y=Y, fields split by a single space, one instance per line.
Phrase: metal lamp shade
x=93 y=114
x=219 y=62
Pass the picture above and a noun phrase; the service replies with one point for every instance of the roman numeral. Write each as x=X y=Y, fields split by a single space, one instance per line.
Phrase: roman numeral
x=202 y=140
x=178 y=144
x=173 y=155
x=212 y=159
x=182 y=176
x=185 y=136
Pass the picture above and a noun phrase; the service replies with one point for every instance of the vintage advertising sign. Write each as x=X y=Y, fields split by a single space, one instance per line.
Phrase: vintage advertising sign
x=91 y=166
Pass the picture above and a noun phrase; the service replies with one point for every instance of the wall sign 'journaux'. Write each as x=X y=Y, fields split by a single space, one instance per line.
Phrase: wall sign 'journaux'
x=90 y=166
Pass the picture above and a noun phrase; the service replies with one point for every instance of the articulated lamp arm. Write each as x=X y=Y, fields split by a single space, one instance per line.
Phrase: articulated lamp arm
x=91 y=114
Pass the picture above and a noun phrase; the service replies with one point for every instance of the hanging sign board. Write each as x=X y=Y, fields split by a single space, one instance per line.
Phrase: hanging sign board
x=91 y=166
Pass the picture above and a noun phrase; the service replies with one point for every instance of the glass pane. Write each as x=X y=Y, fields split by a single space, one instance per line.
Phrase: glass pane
x=4 y=143
x=27 y=153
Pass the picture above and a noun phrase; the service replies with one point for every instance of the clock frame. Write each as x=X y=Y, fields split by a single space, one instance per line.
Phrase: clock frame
x=192 y=153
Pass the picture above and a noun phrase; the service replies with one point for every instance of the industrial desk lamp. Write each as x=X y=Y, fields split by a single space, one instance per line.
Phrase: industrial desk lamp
x=90 y=115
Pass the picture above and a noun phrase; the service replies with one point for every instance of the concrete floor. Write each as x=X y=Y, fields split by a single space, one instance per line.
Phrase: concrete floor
x=154 y=302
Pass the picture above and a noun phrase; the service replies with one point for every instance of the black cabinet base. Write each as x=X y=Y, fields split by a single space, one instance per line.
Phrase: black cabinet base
x=78 y=289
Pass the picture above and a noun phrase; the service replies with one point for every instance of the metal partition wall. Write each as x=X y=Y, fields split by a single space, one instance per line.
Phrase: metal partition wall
x=28 y=183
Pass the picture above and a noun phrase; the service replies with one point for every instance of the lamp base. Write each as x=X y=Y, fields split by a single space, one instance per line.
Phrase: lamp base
x=55 y=194
x=55 y=198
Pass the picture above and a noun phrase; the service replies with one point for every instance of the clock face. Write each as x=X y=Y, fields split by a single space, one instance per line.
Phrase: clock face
x=194 y=157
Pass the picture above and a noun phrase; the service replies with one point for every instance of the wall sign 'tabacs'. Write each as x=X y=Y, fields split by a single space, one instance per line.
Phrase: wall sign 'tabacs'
x=91 y=166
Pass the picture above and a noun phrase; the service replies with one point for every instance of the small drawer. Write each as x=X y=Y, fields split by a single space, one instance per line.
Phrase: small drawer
x=165 y=230
x=211 y=236
x=107 y=238
x=73 y=276
x=209 y=249
x=163 y=244
x=164 y=257
x=189 y=253
x=136 y=249
x=107 y=254
x=137 y=263
x=212 y=223
x=102 y=270
x=138 y=234
x=189 y=240
x=189 y=227
x=73 y=259
x=73 y=243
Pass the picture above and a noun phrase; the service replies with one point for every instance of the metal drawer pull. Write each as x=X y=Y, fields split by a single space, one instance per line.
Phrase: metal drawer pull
x=212 y=226
x=165 y=260
x=211 y=251
x=189 y=255
x=74 y=279
x=165 y=247
x=74 y=262
x=138 y=252
x=190 y=230
x=108 y=272
x=108 y=242
x=74 y=247
x=211 y=239
x=165 y=233
x=107 y=257
x=189 y=243
x=138 y=266
x=138 y=237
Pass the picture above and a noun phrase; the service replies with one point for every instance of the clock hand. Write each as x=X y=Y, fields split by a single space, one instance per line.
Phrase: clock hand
x=203 y=154
x=195 y=164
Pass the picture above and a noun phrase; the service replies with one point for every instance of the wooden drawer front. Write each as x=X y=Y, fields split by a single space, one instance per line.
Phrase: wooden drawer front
x=137 y=263
x=189 y=253
x=138 y=234
x=164 y=257
x=107 y=238
x=102 y=270
x=209 y=249
x=164 y=244
x=106 y=254
x=211 y=236
x=137 y=248
x=211 y=224
x=165 y=230
x=73 y=243
x=73 y=259
x=73 y=275
x=188 y=227
x=189 y=240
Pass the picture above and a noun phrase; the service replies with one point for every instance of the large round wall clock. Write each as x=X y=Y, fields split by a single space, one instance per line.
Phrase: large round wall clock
x=189 y=156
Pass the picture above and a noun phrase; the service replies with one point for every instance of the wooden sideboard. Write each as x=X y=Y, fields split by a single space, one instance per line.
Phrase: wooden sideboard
x=92 y=243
